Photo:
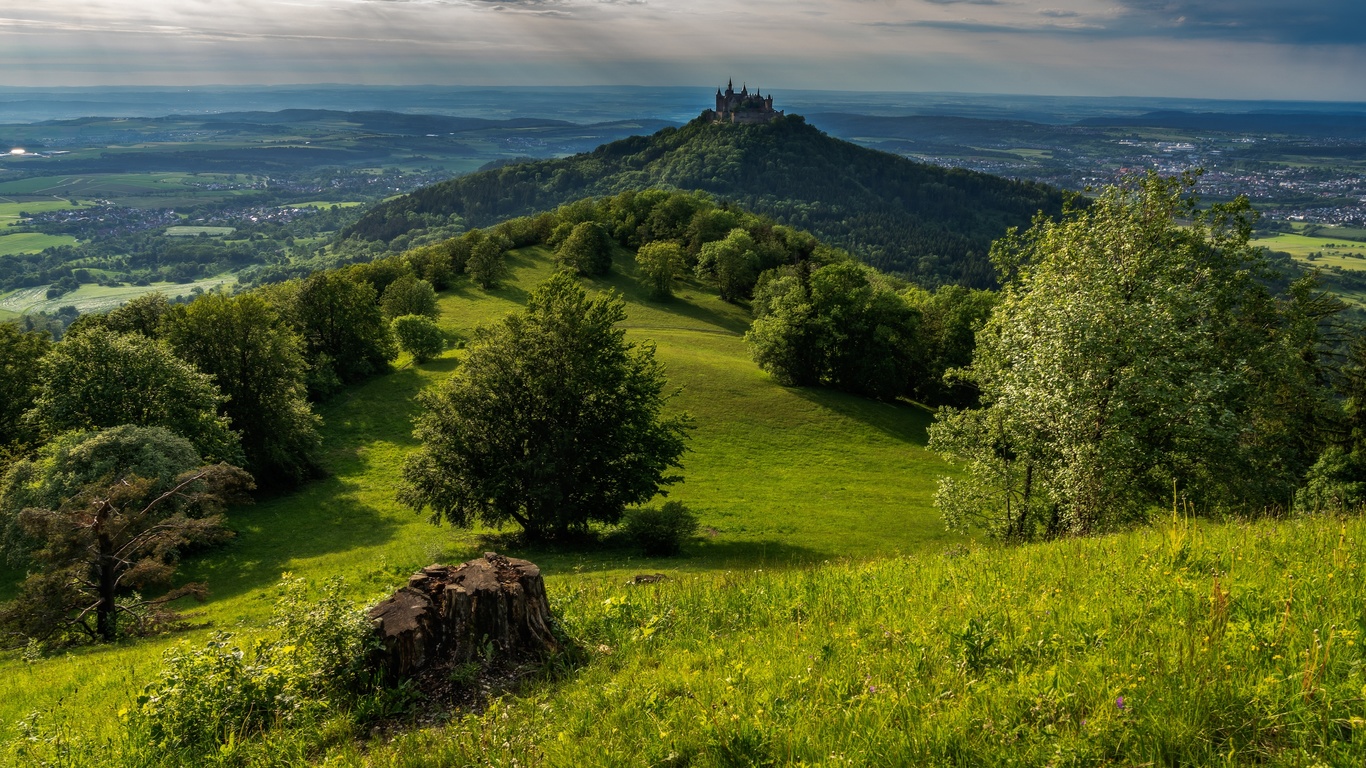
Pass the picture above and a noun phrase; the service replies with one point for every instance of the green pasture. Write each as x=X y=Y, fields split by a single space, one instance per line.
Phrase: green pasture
x=11 y=208
x=31 y=242
x=325 y=204
x=1178 y=645
x=100 y=185
x=1338 y=252
x=188 y=231
x=97 y=298
x=780 y=478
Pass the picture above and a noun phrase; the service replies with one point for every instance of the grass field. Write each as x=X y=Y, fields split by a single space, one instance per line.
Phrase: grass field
x=197 y=231
x=1324 y=251
x=97 y=298
x=825 y=617
x=780 y=477
x=324 y=204
x=10 y=208
x=108 y=185
x=1177 y=646
x=31 y=242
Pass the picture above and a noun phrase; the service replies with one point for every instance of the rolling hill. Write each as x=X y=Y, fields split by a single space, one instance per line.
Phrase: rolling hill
x=931 y=224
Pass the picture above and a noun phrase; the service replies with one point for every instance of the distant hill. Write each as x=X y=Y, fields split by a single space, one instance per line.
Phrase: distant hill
x=932 y=224
x=1338 y=125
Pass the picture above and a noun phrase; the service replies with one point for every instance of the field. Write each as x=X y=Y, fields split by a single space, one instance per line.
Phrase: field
x=197 y=231
x=1339 y=251
x=11 y=208
x=780 y=478
x=824 y=617
x=31 y=242
x=324 y=204
x=96 y=185
x=98 y=298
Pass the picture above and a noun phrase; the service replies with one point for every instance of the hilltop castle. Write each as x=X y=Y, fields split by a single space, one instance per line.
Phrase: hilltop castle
x=743 y=107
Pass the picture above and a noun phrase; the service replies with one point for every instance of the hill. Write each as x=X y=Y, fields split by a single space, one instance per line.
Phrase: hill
x=779 y=477
x=823 y=618
x=934 y=225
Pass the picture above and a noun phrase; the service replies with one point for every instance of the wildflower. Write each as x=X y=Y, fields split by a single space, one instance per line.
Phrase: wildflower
x=1119 y=703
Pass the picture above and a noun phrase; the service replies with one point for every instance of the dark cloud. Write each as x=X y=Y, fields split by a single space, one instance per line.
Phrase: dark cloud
x=1286 y=22
x=1305 y=22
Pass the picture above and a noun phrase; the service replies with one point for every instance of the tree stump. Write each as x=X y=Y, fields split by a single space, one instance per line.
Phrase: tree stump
x=491 y=607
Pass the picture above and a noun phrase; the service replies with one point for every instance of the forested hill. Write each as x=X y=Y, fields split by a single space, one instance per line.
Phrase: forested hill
x=932 y=224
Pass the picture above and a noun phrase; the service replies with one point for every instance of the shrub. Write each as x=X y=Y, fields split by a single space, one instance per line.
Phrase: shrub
x=661 y=531
x=419 y=336
x=219 y=694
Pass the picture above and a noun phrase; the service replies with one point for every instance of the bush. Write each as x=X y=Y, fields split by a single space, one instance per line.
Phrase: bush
x=661 y=531
x=216 y=695
x=419 y=336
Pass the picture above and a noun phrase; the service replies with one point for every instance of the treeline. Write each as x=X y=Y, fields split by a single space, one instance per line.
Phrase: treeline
x=931 y=224
x=122 y=444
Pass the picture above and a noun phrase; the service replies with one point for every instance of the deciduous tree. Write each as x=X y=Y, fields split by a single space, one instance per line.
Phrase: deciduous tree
x=659 y=263
x=553 y=421
x=118 y=533
x=257 y=361
x=99 y=378
x=1132 y=351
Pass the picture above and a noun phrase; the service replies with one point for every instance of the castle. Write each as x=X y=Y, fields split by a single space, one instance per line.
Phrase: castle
x=743 y=107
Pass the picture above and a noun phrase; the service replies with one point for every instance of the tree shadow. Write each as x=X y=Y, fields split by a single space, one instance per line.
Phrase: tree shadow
x=902 y=421
x=322 y=518
x=596 y=553
x=623 y=280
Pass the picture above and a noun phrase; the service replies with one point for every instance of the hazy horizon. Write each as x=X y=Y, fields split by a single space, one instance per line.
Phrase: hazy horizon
x=1224 y=49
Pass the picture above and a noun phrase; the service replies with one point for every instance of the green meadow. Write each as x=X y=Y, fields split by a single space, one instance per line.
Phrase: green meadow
x=99 y=298
x=823 y=616
x=10 y=208
x=186 y=231
x=1322 y=251
x=31 y=242
x=324 y=204
x=780 y=478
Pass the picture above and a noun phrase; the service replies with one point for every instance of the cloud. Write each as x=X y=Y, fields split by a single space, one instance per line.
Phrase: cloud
x=1293 y=22
x=966 y=2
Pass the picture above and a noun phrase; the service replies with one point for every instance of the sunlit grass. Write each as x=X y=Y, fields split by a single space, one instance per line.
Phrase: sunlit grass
x=780 y=477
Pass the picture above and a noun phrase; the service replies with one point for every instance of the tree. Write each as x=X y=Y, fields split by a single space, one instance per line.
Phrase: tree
x=408 y=296
x=731 y=264
x=118 y=531
x=1130 y=354
x=660 y=262
x=74 y=460
x=345 y=336
x=587 y=249
x=99 y=378
x=949 y=321
x=19 y=381
x=487 y=265
x=553 y=421
x=841 y=326
x=419 y=336
x=257 y=361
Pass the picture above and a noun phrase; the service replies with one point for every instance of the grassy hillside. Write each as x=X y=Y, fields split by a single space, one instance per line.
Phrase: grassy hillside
x=779 y=477
x=1181 y=645
x=933 y=224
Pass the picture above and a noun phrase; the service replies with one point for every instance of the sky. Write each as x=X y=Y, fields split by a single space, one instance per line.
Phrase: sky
x=1243 y=49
